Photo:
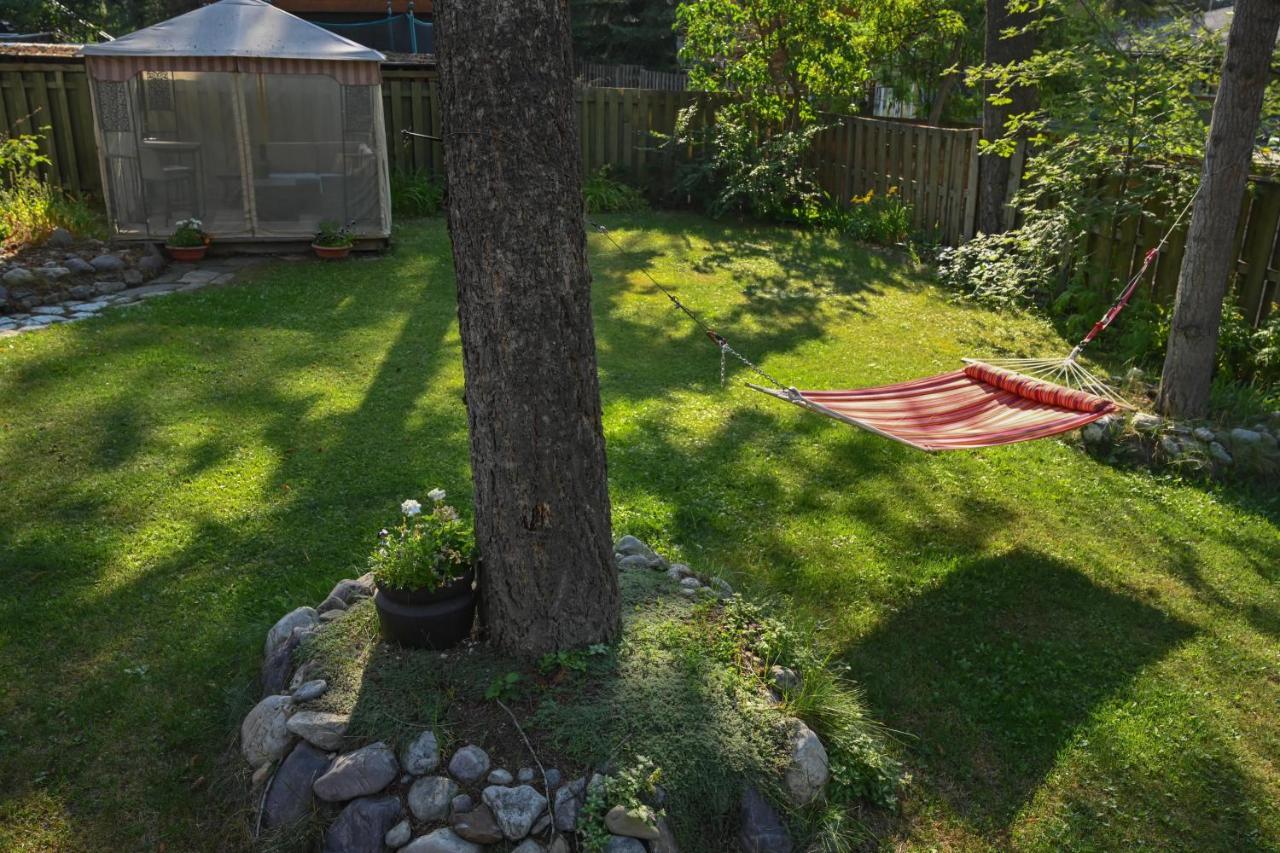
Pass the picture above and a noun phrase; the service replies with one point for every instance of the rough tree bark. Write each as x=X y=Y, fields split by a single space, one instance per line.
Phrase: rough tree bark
x=993 y=171
x=1207 y=263
x=548 y=579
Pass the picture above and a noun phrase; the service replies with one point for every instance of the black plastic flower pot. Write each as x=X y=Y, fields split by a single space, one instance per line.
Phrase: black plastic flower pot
x=427 y=619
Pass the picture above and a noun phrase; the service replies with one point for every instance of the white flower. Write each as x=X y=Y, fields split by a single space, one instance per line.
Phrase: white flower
x=411 y=508
x=436 y=495
x=448 y=513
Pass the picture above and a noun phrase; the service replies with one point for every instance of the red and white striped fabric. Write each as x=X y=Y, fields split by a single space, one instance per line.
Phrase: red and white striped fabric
x=979 y=406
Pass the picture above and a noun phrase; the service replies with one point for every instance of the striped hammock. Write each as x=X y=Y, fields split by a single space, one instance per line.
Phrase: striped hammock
x=979 y=406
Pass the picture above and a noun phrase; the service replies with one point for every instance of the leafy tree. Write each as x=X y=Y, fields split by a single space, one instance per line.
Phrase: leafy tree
x=635 y=32
x=83 y=20
x=930 y=67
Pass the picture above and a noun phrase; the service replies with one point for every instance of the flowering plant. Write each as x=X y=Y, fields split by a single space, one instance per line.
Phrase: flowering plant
x=189 y=233
x=427 y=550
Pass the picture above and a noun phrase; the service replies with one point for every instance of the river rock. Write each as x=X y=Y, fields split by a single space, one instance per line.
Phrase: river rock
x=784 y=678
x=501 y=777
x=264 y=734
x=528 y=846
x=569 y=801
x=525 y=775
x=461 y=803
x=630 y=546
x=515 y=809
x=1241 y=437
x=60 y=238
x=633 y=562
x=303 y=617
x=623 y=844
x=78 y=265
x=469 y=764
x=422 y=755
x=398 y=835
x=478 y=825
x=1219 y=454
x=679 y=571
x=1143 y=422
x=107 y=263
x=357 y=774
x=309 y=691
x=807 y=770
x=666 y=840
x=441 y=841
x=277 y=667
x=633 y=823
x=321 y=728
x=1203 y=434
x=289 y=799
x=363 y=825
x=19 y=277
x=430 y=798
x=760 y=829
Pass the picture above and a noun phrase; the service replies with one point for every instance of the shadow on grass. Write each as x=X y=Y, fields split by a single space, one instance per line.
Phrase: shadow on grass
x=995 y=670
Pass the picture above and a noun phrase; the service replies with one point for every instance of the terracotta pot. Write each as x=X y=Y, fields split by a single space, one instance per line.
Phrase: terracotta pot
x=186 y=253
x=332 y=253
x=427 y=619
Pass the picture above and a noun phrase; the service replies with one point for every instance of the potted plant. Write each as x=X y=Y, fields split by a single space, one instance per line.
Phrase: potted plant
x=188 y=242
x=424 y=571
x=332 y=241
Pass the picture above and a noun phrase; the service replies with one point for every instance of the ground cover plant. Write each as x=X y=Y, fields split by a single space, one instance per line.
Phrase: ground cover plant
x=1073 y=655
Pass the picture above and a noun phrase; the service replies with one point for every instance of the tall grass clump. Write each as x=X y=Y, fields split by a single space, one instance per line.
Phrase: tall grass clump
x=31 y=207
x=416 y=193
x=603 y=193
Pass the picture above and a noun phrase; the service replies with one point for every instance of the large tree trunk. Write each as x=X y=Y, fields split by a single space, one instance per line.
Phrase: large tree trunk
x=1207 y=263
x=548 y=579
x=993 y=172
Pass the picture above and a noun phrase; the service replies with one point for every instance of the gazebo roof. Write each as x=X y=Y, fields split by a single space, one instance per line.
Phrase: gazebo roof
x=236 y=28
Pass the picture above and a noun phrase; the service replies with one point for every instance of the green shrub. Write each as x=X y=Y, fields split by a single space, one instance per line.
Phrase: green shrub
x=188 y=233
x=425 y=551
x=1016 y=268
x=415 y=193
x=883 y=219
x=31 y=207
x=333 y=236
x=602 y=193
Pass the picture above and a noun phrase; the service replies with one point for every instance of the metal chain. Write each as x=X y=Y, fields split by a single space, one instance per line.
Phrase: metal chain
x=711 y=333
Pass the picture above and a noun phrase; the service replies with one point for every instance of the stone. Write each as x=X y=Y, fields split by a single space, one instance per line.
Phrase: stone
x=350 y=591
x=441 y=841
x=501 y=777
x=807 y=769
x=302 y=617
x=461 y=803
x=1203 y=434
x=633 y=823
x=330 y=604
x=690 y=583
x=264 y=734
x=19 y=277
x=528 y=846
x=321 y=728
x=107 y=263
x=309 y=691
x=568 y=802
x=543 y=824
x=199 y=276
x=430 y=798
x=49 y=310
x=60 y=238
x=760 y=830
x=722 y=587
x=131 y=277
x=77 y=265
x=679 y=571
x=1093 y=434
x=422 y=755
x=108 y=285
x=623 y=844
x=515 y=809
x=666 y=840
x=1241 y=437
x=363 y=825
x=1219 y=454
x=277 y=668
x=89 y=306
x=558 y=845
x=784 y=678
x=478 y=825
x=632 y=562
x=303 y=675
x=54 y=273
x=1171 y=446
x=331 y=616
x=553 y=778
x=1143 y=422
x=525 y=775
x=398 y=835
x=469 y=764
x=151 y=265
x=629 y=546
x=358 y=774
x=289 y=799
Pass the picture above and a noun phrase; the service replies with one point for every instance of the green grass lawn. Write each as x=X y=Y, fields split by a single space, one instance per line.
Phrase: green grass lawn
x=1076 y=656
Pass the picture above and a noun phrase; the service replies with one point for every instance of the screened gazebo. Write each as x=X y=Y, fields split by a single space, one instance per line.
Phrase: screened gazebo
x=248 y=118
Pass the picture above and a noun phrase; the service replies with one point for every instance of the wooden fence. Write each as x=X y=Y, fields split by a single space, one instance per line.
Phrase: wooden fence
x=54 y=95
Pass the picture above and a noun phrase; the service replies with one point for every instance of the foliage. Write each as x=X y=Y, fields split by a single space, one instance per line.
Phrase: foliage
x=1017 y=268
x=602 y=193
x=504 y=686
x=929 y=68
x=425 y=551
x=30 y=206
x=188 y=233
x=333 y=236
x=415 y=193
x=571 y=660
x=634 y=787
x=635 y=32
x=871 y=218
